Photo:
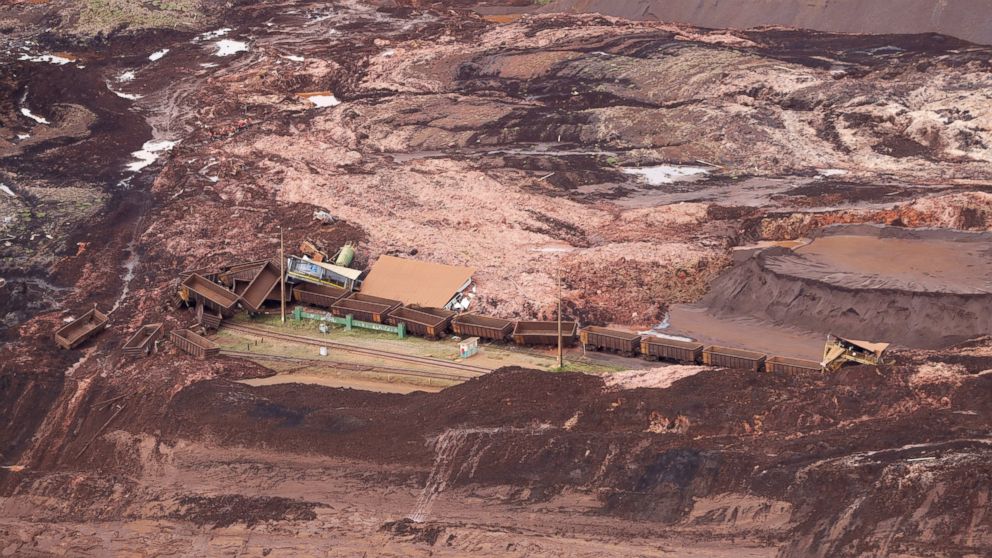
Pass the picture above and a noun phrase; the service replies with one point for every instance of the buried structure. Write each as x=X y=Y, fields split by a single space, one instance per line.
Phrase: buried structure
x=922 y=288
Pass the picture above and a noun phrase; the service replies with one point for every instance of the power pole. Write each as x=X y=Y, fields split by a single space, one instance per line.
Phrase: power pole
x=561 y=361
x=282 y=276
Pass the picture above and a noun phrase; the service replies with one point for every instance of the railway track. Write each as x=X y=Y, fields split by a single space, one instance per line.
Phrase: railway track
x=350 y=366
x=424 y=361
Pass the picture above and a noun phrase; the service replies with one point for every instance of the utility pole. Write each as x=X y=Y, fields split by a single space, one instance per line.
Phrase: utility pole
x=282 y=277
x=561 y=361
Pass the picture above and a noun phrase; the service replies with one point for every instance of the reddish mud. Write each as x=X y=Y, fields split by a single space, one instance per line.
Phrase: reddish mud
x=877 y=283
x=515 y=148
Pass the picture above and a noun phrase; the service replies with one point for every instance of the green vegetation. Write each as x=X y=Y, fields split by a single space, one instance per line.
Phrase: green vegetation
x=103 y=16
x=542 y=2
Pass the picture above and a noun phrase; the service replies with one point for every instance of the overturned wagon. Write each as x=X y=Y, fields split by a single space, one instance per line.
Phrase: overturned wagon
x=484 y=327
x=318 y=295
x=364 y=307
x=143 y=340
x=601 y=338
x=733 y=358
x=205 y=291
x=265 y=280
x=659 y=348
x=242 y=272
x=791 y=365
x=427 y=322
x=544 y=333
x=194 y=344
x=81 y=329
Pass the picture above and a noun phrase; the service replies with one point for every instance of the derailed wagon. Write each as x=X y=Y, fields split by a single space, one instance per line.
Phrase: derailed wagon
x=604 y=339
x=202 y=290
x=82 y=328
x=791 y=365
x=483 y=327
x=659 y=348
x=318 y=295
x=265 y=279
x=426 y=322
x=544 y=333
x=733 y=358
x=364 y=307
x=194 y=343
x=143 y=340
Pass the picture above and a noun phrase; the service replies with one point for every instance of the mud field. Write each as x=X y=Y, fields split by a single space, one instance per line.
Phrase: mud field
x=921 y=288
x=139 y=141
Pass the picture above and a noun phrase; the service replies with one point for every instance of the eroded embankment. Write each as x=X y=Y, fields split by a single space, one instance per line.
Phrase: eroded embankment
x=775 y=459
x=967 y=19
x=919 y=288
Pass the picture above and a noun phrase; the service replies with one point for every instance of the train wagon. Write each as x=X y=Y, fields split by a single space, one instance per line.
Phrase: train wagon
x=791 y=365
x=81 y=329
x=484 y=327
x=318 y=295
x=363 y=307
x=426 y=322
x=601 y=338
x=260 y=286
x=544 y=332
x=143 y=340
x=208 y=292
x=209 y=319
x=733 y=358
x=194 y=344
x=659 y=348
x=240 y=272
x=275 y=295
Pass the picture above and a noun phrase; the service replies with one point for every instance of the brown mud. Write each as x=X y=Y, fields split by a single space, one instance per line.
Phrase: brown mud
x=443 y=145
x=877 y=283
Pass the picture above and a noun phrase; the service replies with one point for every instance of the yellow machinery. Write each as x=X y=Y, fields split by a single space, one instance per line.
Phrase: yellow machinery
x=839 y=351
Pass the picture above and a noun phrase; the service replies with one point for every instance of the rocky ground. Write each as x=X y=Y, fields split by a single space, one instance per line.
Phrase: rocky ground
x=131 y=150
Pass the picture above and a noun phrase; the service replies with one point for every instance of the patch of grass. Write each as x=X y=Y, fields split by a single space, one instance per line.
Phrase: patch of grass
x=104 y=16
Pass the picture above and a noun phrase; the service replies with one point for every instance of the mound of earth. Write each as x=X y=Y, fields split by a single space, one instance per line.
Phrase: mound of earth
x=924 y=288
x=965 y=19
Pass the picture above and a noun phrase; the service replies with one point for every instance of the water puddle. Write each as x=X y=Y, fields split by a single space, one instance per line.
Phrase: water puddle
x=831 y=172
x=227 y=47
x=40 y=120
x=148 y=153
x=216 y=33
x=121 y=94
x=668 y=174
x=49 y=58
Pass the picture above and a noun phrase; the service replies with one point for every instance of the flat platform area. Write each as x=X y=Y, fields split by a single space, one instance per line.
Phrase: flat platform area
x=920 y=264
x=744 y=332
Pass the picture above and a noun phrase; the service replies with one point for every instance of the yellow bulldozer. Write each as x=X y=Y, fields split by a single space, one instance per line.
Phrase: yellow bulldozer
x=839 y=351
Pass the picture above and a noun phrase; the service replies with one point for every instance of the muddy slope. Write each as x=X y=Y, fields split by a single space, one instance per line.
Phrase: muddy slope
x=774 y=464
x=966 y=19
x=910 y=305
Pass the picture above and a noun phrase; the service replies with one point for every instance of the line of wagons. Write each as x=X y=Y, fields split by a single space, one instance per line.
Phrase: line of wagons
x=434 y=323
x=253 y=283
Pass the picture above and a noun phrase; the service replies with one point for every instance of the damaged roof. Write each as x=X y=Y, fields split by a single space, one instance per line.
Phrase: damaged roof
x=416 y=282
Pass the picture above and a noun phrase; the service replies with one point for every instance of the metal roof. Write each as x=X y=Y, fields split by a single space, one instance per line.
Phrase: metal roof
x=346 y=272
x=415 y=281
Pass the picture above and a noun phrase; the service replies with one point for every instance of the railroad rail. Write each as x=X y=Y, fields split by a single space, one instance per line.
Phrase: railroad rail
x=425 y=361
x=351 y=366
